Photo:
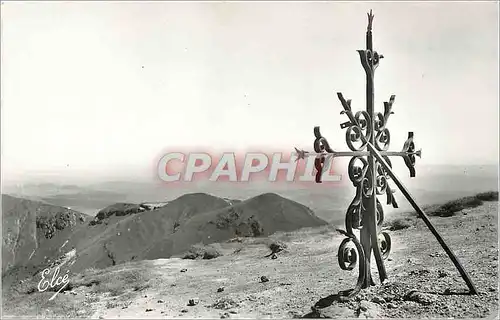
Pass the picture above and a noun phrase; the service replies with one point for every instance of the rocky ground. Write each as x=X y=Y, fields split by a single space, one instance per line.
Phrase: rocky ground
x=297 y=281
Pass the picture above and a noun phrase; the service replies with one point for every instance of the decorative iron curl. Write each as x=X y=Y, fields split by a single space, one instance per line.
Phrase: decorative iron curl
x=355 y=212
x=391 y=200
x=382 y=180
x=380 y=214
x=385 y=244
x=354 y=132
x=382 y=139
x=409 y=148
x=357 y=175
x=356 y=172
x=366 y=196
x=348 y=257
x=383 y=186
x=370 y=61
x=321 y=145
x=359 y=124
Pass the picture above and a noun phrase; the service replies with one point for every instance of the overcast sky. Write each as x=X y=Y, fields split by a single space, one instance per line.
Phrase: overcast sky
x=94 y=87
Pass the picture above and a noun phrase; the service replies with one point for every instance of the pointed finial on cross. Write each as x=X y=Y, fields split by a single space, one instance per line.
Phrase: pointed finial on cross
x=370 y=20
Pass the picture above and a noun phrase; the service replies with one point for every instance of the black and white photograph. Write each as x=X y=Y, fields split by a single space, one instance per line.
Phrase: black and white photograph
x=249 y=159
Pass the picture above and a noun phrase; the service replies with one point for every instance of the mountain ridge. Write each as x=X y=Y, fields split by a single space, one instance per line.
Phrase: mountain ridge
x=125 y=231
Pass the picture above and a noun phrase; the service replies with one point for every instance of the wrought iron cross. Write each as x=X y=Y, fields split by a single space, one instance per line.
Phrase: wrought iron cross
x=369 y=170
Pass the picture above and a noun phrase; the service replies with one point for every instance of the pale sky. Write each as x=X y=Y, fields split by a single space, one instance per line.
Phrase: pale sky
x=93 y=87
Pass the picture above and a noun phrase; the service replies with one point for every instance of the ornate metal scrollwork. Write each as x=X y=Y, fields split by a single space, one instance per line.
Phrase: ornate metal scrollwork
x=385 y=244
x=382 y=136
x=360 y=129
x=348 y=258
x=367 y=135
x=369 y=179
x=350 y=252
x=358 y=133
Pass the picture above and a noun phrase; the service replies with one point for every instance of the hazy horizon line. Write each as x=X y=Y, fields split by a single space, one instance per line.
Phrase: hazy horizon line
x=41 y=177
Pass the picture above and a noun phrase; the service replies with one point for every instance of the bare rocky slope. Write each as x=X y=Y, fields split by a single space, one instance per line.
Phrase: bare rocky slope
x=35 y=234
x=300 y=280
x=32 y=233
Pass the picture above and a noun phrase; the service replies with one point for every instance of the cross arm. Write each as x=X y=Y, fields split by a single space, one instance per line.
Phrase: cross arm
x=364 y=153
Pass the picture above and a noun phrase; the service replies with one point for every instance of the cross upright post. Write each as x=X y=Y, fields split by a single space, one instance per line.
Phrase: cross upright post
x=369 y=170
x=369 y=235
